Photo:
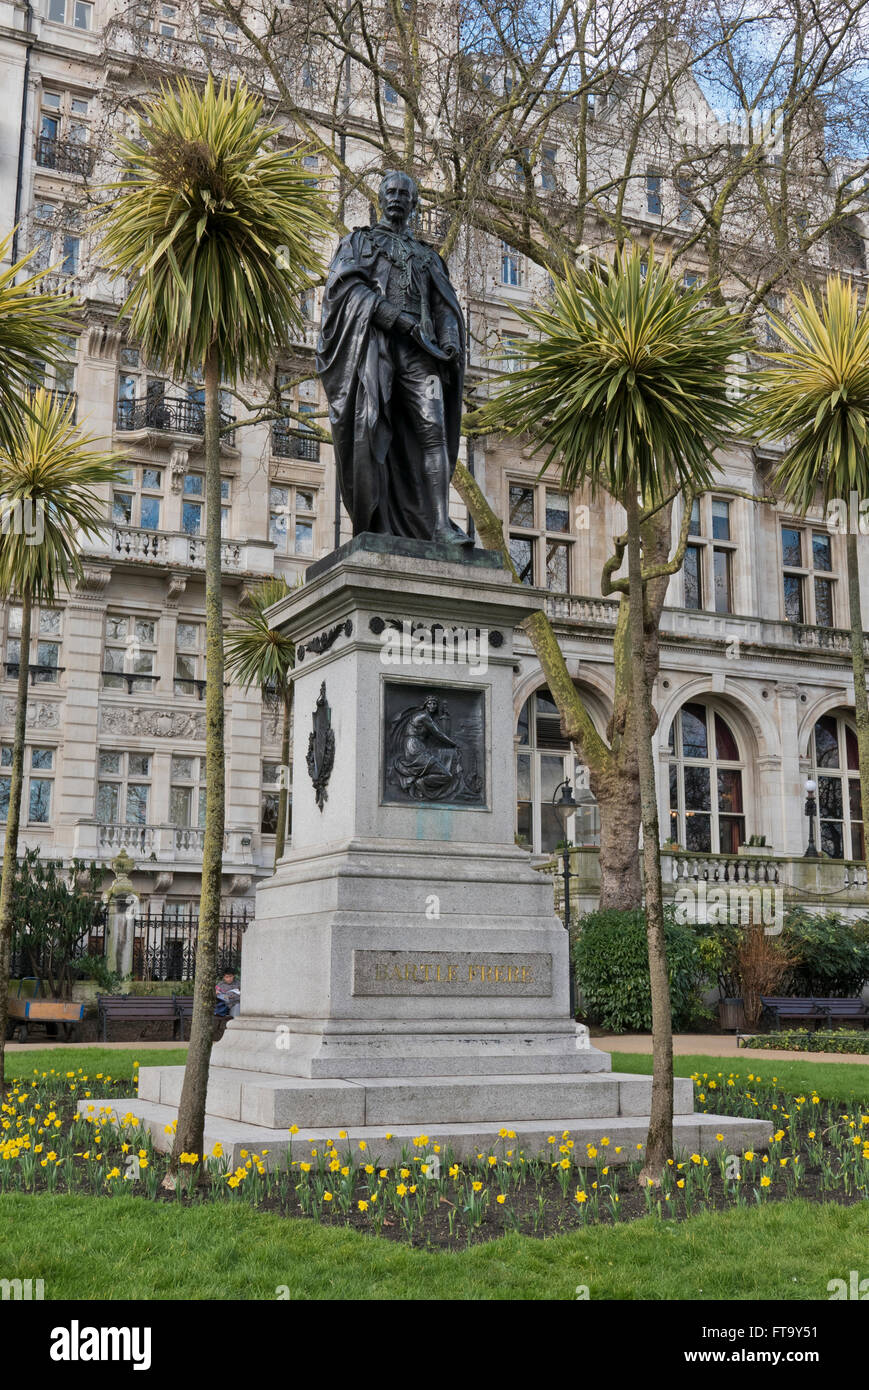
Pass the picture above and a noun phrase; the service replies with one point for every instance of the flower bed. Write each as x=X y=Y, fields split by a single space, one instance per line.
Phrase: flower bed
x=816 y=1150
x=805 y=1040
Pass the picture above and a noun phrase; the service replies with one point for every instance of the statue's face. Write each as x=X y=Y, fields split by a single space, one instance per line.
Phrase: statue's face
x=431 y=705
x=397 y=198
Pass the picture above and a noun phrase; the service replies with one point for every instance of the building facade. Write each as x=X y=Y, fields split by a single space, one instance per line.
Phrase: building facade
x=755 y=690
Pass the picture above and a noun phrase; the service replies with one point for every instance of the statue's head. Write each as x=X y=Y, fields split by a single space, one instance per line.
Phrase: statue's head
x=431 y=704
x=398 y=195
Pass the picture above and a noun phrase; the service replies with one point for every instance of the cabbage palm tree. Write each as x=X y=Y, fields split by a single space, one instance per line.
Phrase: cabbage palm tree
x=32 y=326
x=220 y=225
x=47 y=506
x=258 y=654
x=817 y=397
x=626 y=391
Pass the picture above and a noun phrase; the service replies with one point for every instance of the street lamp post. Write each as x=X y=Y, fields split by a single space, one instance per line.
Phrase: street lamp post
x=811 y=806
x=564 y=808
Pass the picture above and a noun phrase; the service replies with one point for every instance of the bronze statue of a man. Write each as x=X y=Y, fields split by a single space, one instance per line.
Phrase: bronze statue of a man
x=391 y=358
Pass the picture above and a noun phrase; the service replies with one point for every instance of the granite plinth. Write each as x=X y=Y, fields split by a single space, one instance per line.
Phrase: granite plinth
x=440 y=551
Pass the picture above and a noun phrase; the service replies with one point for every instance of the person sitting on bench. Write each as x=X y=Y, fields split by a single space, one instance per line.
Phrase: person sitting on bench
x=228 y=996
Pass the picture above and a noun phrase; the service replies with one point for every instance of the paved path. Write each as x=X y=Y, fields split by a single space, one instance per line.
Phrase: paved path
x=720 y=1045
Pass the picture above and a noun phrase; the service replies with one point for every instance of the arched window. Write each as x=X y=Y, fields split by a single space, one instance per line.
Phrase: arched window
x=707 y=812
x=545 y=758
x=836 y=769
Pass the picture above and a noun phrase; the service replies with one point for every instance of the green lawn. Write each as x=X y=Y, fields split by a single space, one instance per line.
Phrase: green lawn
x=125 y=1247
x=839 y=1081
x=115 y=1063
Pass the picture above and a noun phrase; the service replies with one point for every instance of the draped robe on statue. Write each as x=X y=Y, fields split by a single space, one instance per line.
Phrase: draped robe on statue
x=378 y=456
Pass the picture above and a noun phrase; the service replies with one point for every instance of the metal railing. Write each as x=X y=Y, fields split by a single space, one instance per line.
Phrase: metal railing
x=164 y=945
x=64 y=156
x=172 y=415
x=290 y=443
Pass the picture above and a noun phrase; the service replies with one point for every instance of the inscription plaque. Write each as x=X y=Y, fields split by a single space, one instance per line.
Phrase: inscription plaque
x=455 y=974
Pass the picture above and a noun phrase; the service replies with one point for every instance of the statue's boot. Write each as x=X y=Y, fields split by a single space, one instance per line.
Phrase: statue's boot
x=436 y=466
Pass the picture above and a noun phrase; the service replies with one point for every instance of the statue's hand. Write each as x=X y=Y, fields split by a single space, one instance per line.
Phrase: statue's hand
x=406 y=323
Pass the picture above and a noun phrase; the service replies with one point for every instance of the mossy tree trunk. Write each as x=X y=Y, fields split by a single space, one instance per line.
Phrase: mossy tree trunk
x=13 y=823
x=858 y=664
x=191 y=1111
x=659 y=1142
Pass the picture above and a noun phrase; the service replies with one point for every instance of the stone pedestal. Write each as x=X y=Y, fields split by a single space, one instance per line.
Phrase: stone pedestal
x=406 y=966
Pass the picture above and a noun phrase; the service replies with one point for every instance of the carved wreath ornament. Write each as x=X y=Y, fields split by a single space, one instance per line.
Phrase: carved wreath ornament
x=321 y=747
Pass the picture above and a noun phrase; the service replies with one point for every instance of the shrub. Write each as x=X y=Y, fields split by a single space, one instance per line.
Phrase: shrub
x=804 y=1040
x=830 y=953
x=612 y=967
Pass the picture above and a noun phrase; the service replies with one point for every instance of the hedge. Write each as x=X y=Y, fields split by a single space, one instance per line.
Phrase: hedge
x=612 y=969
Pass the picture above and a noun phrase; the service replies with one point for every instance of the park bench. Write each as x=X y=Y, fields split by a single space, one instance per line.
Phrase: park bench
x=122 y=1008
x=183 y=1009
x=814 y=1010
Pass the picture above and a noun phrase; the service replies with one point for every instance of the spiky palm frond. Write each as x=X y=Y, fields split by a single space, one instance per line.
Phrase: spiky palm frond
x=627 y=386
x=256 y=653
x=221 y=225
x=817 y=395
x=47 y=501
x=32 y=326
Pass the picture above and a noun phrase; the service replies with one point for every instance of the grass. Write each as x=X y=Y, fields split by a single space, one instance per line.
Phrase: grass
x=96 y=1248
x=835 y=1081
x=115 y=1063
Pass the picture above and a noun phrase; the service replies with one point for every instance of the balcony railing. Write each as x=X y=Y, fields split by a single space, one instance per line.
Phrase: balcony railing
x=295 y=444
x=39 y=675
x=133 y=543
x=171 y=415
x=64 y=156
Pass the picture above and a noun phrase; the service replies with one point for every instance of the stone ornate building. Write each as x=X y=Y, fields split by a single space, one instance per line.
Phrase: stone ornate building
x=755 y=688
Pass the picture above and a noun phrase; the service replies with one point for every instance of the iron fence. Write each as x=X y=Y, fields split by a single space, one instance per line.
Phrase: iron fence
x=164 y=944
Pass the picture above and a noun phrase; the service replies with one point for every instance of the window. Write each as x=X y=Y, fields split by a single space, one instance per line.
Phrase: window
x=691 y=278
x=123 y=787
x=78 y=14
x=38 y=784
x=271 y=795
x=45 y=643
x=512 y=356
x=707 y=571
x=190 y=658
x=136 y=497
x=64 y=132
x=808 y=578
x=390 y=95
x=836 y=770
x=193 y=505
x=547 y=171
x=55 y=238
x=130 y=655
x=213 y=29
x=187 y=792
x=543 y=760
x=707 y=814
x=654 y=184
x=511 y=266
x=686 y=207
x=540 y=535
x=292 y=518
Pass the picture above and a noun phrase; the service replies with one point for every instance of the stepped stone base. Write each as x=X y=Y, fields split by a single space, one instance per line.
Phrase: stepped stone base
x=692 y=1134
x=464 y=1113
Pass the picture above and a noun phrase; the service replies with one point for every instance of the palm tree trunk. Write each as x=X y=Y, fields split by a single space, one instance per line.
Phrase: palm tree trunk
x=283 y=799
x=191 y=1110
x=858 y=664
x=659 y=1142
x=13 y=822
